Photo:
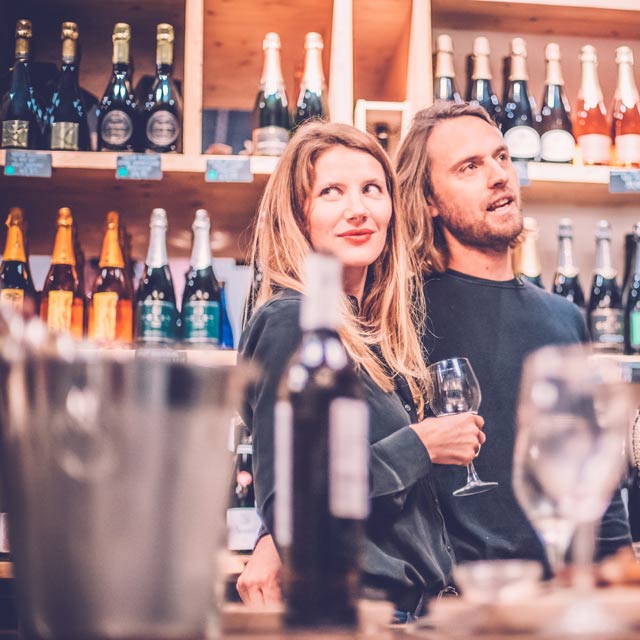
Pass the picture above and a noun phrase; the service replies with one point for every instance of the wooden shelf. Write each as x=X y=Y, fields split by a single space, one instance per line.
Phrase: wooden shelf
x=202 y=357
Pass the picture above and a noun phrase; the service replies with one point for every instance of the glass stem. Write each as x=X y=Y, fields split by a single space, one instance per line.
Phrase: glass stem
x=583 y=551
x=472 y=475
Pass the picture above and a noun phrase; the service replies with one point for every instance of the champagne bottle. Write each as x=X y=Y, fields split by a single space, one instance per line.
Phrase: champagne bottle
x=527 y=262
x=321 y=448
x=271 y=122
x=481 y=90
x=565 y=281
x=16 y=284
x=632 y=301
x=20 y=113
x=556 y=133
x=625 y=123
x=67 y=118
x=591 y=127
x=163 y=108
x=82 y=289
x=118 y=110
x=629 y=258
x=62 y=306
x=156 y=311
x=201 y=299
x=110 y=306
x=444 y=85
x=606 y=315
x=226 y=332
x=312 y=100
x=518 y=124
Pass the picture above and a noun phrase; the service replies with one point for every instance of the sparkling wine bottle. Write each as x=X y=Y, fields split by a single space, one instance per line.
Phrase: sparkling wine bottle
x=312 y=101
x=632 y=300
x=566 y=282
x=444 y=87
x=625 y=112
x=481 y=89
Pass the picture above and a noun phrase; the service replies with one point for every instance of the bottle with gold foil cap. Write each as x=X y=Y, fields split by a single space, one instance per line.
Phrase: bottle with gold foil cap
x=526 y=259
x=313 y=100
x=481 y=89
x=21 y=115
x=67 y=118
x=444 y=84
x=110 y=305
x=62 y=307
x=163 y=108
x=625 y=120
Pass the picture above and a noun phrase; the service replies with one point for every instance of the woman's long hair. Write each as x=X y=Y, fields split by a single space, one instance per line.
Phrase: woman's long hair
x=384 y=337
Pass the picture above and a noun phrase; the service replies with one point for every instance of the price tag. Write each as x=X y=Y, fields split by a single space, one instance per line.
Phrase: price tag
x=522 y=170
x=624 y=182
x=28 y=164
x=231 y=169
x=139 y=166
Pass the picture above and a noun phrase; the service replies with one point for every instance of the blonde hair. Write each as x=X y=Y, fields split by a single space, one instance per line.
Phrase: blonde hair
x=428 y=243
x=384 y=338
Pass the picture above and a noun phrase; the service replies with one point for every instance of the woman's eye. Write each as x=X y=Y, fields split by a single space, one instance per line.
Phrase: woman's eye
x=373 y=188
x=329 y=191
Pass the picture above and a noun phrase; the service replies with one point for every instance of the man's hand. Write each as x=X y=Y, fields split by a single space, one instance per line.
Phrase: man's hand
x=452 y=439
x=259 y=583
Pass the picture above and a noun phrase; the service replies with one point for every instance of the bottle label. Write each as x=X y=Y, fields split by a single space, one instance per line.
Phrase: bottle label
x=201 y=321
x=244 y=450
x=59 y=307
x=348 y=459
x=523 y=142
x=15 y=134
x=105 y=308
x=156 y=320
x=557 y=145
x=163 y=128
x=116 y=128
x=269 y=141
x=65 y=136
x=243 y=524
x=634 y=329
x=12 y=298
x=283 y=440
x=596 y=148
x=607 y=329
x=628 y=148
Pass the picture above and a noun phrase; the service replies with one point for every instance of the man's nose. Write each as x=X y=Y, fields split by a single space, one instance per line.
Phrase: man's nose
x=498 y=174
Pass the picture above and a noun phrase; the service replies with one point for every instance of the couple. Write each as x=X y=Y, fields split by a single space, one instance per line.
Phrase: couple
x=450 y=217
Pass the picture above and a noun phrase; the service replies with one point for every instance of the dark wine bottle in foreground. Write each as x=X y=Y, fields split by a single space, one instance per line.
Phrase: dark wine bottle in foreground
x=481 y=90
x=632 y=300
x=321 y=446
x=312 y=101
x=444 y=83
x=565 y=281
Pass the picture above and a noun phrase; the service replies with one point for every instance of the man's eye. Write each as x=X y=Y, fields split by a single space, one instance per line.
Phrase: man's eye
x=470 y=166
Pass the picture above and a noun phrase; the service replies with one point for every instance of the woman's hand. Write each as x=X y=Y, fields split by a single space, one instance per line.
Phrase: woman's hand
x=452 y=439
x=259 y=583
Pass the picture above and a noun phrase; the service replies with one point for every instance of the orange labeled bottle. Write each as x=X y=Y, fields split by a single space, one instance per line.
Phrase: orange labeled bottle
x=111 y=306
x=62 y=306
x=625 y=122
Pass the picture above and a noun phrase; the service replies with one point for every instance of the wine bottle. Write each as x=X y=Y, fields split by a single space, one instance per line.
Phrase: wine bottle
x=16 y=284
x=271 y=122
x=312 y=100
x=157 y=316
x=591 y=127
x=606 y=315
x=20 y=112
x=62 y=305
x=565 y=281
x=518 y=125
x=321 y=475
x=163 y=108
x=556 y=133
x=527 y=262
x=82 y=289
x=481 y=90
x=444 y=84
x=118 y=110
x=201 y=299
x=382 y=133
x=110 y=306
x=625 y=123
x=226 y=332
x=632 y=301
x=67 y=128
x=629 y=258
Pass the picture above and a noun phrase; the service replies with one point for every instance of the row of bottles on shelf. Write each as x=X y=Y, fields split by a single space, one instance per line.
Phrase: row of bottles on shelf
x=551 y=134
x=123 y=121
x=112 y=313
x=613 y=311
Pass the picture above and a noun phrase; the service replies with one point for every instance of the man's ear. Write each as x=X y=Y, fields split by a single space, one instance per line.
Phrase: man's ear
x=433 y=209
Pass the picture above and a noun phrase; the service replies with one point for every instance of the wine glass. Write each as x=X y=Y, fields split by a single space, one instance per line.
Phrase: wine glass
x=455 y=389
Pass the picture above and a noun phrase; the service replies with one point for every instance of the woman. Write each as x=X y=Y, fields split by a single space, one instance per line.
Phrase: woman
x=334 y=190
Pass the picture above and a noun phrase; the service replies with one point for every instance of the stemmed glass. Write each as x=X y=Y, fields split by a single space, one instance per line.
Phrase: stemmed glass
x=455 y=389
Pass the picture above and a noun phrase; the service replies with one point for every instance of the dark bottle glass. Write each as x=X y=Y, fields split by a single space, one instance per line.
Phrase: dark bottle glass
x=382 y=133
x=312 y=101
x=321 y=447
x=118 y=109
x=526 y=259
x=163 y=108
x=157 y=315
x=226 y=335
x=566 y=282
x=67 y=128
x=444 y=83
x=271 y=121
x=605 y=314
x=481 y=89
x=518 y=122
x=202 y=296
x=557 y=143
x=632 y=301
x=629 y=258
x=20 y=113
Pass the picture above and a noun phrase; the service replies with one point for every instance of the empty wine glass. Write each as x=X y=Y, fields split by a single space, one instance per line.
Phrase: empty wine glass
x=455 y=389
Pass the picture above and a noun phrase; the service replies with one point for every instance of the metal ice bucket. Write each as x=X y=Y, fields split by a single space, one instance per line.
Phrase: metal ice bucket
x=116 y=476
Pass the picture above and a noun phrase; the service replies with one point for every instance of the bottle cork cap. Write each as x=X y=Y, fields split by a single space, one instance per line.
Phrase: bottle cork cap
x=113 y=219
x=624 y=54
x=15 y=217
x=444 y=43
x=24 y=29
x=121 y=31
x=271 y=41
x=481 y=46
x=552 y=51
x=519 y=47
x=65 y=219
x=69 y=31
x=588 y=53
x=201 y=220
x=313 y=40
x=603 y=230
x=565 y=228
x=158 y=218
x=636 y=230
x=164 y=32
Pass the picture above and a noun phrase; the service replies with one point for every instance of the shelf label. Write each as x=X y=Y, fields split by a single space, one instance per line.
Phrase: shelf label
x=624 y=181
x=522 y=171
x=27 y=164
x=139 y=166
x=231 y=169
